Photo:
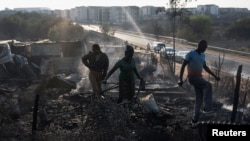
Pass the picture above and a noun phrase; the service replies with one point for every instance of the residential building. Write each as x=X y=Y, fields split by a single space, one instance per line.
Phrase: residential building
x=208 y=9
x=94 y=14
x=82 y=14
x=130 y=14
x=104 y=15
x=148 y=11
x=73 y=14
x=115 y=15
x=35 y=9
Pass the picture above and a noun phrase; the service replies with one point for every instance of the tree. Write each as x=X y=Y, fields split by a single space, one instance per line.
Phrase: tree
x=195 y=28
x=239 y=30
x=34 y=26
x=65 y=31
x=201 y=26
x=176 y=10
x=157 y=29
x=11 y=26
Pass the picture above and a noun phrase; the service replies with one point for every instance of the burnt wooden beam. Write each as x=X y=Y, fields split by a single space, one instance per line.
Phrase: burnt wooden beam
x=236 y=94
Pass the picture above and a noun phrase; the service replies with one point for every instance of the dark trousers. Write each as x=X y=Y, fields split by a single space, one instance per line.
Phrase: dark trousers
x=126 y=90
x=203 y=92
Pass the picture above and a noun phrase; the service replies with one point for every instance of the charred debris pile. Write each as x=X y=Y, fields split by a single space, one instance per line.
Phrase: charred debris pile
x=45 y=95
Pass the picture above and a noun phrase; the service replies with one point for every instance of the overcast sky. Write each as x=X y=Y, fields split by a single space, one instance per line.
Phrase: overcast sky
x=68 y=4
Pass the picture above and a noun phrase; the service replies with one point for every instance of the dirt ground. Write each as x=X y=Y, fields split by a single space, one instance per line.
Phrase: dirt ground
x=64 y=116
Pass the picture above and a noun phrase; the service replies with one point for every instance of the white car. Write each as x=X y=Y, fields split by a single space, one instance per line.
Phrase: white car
x=180 y=55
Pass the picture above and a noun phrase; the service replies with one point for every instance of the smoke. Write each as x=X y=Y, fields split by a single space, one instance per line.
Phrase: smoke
x=83 y=71
x=114 y=53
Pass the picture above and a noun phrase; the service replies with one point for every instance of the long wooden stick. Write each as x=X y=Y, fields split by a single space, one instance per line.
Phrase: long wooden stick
x=236 y=94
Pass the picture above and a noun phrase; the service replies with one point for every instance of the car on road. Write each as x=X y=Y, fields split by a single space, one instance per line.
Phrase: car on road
x=180 y=55
x=156 y=46
x=167 y=52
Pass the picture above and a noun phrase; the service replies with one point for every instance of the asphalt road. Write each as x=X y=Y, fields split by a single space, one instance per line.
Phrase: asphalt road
x=230 y=63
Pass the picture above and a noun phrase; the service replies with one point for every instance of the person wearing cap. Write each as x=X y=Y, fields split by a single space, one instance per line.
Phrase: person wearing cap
x=98 y=63
x=127 y=68
x=195 y=61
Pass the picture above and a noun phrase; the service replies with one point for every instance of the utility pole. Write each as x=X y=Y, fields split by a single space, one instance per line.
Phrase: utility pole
x=173 y=4
x=174 y=27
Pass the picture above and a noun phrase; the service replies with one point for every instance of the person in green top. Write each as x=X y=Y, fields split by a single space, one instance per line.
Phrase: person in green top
x=126 y=77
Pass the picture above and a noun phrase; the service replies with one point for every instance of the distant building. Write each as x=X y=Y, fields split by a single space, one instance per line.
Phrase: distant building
x=130 y=14
x=233 y=10
x=115 y=15
x=208 y=9
x=82 y=14
x=126 y=14
x=104 y=15
x=73 y=14
x=94 y=14
x=62 y=13
x=35 y=9
x=148 y=11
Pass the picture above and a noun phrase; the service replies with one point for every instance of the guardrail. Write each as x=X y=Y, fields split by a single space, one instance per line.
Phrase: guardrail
x=224 y=50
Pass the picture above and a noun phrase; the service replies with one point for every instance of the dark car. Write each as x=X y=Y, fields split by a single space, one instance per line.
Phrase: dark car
x=167 y=52
x=156 y=46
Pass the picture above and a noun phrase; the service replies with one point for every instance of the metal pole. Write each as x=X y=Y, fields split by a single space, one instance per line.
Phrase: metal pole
x=173 y=59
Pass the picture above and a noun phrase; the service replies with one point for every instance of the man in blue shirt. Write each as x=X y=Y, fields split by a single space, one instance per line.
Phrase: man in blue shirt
x=195 y=61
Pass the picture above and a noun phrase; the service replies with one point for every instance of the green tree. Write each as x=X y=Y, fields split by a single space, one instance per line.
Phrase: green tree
x=65 y=31
x=34 y=26
x=157 y=29
x=196 y=27
x=239 y=30
x=11 y=26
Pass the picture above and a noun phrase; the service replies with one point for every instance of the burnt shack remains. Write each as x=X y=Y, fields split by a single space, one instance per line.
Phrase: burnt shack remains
x=56 y=103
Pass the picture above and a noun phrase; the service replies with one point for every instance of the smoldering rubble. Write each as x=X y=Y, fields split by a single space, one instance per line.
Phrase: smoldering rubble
x=55 y=103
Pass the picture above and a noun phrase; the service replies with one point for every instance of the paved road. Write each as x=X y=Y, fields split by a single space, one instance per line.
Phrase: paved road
x=230 y=64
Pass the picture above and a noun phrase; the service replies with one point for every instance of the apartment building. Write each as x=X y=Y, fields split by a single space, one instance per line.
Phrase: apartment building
x=130 y=14
x=94 y=14
x=120 y=15
x=208 y=9
x=116 y=15
x=147 y=10
x=82 y=14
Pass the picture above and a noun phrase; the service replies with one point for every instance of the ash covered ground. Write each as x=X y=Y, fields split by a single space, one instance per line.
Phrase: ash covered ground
x=65 y=113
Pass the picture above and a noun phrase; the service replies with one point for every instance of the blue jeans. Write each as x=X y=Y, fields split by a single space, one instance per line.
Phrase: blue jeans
x=203 y=92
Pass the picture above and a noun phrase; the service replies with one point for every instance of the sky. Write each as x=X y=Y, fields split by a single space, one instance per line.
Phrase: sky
x=68 y=4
